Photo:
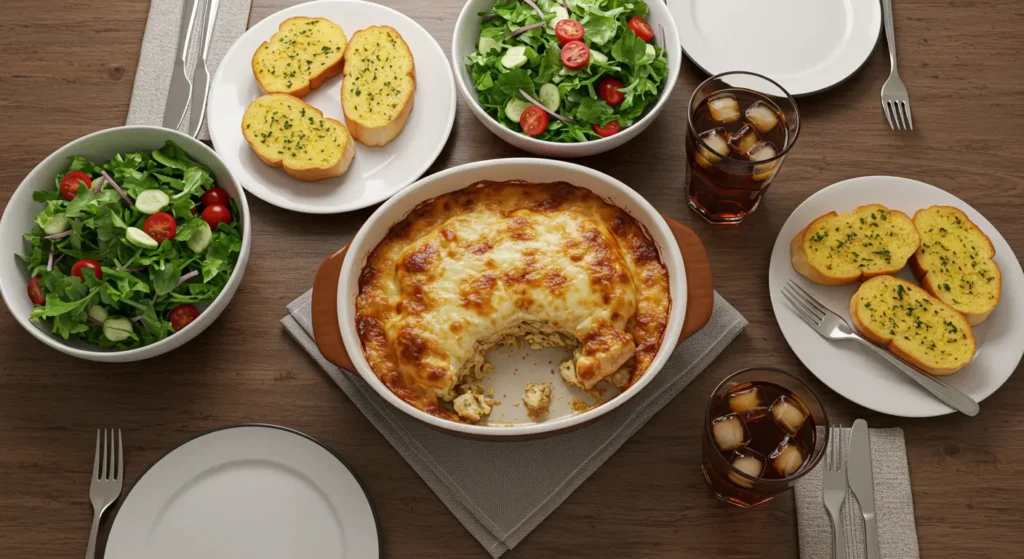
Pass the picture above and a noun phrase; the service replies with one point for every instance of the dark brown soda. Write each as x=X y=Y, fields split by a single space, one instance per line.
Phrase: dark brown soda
x=764 y=433
x=727 y=189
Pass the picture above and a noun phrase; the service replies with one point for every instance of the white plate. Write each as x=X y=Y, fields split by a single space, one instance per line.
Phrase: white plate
x=253 y=491
x=376 y=173
x=805 y=45
x=854 y=371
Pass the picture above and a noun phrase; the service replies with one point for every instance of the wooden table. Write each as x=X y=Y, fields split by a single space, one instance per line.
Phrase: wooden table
x=68 y=70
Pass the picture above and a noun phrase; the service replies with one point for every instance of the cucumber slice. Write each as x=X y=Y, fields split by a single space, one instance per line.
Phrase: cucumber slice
x=486 y=45
x=58 y=223
x=514 y=109
x=598 y=56
x=117 y=328
x=97 y=313
x=514 y=57
x=560 y=14
x=649 y=54
x=139 y=238
x=152 y=201
x=549 y=97
x=200 y=238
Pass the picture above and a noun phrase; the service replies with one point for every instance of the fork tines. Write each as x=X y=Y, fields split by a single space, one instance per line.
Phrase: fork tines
x=804 y=303
x=104 y=466
x=897 y=112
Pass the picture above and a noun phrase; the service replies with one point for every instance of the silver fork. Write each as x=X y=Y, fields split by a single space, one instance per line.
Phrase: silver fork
x=833 y=327
x=895 y=99
x=107 y=479
x=833 y=488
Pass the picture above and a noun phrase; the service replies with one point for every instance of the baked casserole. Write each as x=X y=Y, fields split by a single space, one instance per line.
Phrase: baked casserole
x=497 y=262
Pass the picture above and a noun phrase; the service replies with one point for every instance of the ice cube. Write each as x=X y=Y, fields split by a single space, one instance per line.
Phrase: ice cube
x=743 y=139
x=749 y=462
x=762 y=116
x=724 y=108
x=787 y=458
x=729 y=432
x=749 y=402
x=718 y=140
x=760 y=152
x=789 y=414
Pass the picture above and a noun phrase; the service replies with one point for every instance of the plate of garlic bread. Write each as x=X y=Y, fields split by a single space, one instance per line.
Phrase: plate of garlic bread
x=914 y=270
x=332 y=106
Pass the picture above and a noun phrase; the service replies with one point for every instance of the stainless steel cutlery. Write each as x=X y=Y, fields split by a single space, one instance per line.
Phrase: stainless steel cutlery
x=833 y=488
x=895 y=99
x=833 y=327
x=107 y=480
x=179 y=95
x=849 y=467
x=862 y=483
x=201 y=75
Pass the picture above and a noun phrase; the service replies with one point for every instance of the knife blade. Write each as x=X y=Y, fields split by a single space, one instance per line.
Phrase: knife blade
x=180 y=92
x=201 y=75
x=862 y=483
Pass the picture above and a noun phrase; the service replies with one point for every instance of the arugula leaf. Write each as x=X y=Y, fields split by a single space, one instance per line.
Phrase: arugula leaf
x=82 y=165
x=629 y=48
x=165 y=278
x=512 y=81
x=593 y=111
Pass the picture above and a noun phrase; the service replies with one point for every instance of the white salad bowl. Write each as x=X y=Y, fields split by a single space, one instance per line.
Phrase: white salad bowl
x=99 y=147
x=464 y=43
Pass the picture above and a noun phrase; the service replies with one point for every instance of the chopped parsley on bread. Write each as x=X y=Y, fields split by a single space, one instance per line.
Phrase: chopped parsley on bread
x=913 y=325
x=838 y=249
x=378 y=86
x=954 y=262
x=300 y=56
x=286 y=132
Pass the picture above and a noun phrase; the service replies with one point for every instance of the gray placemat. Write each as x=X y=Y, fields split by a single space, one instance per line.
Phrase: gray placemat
x=508 y=488
x=894 y=505
x=160 y=46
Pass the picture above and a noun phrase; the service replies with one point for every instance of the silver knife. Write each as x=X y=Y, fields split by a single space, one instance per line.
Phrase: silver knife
x=180 y=91
x=861 y=482
x=201 y=75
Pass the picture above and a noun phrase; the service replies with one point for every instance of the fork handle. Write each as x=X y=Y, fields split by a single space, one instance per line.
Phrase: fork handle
x=838 y=536
x=90 y=552
x=890 y=31
x=951 y=396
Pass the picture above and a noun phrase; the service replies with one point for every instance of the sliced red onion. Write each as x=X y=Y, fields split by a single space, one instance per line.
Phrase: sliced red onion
x=536 y=8
x=661 y=37
x=98 y=184
x=566 y=2
x=526 y=28
x=545 y=109
x=49 y=260
x=186 y=277
x=132 y=270
x=94 y=321
x=124 y=196
x=60 y=235
x=137 y=318
x=490 y=17
x=59 y=258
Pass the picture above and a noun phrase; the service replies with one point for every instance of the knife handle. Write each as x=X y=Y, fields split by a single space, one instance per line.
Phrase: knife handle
x=871 y=536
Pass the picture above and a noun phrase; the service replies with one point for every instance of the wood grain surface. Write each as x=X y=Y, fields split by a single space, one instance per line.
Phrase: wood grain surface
x=67 y=70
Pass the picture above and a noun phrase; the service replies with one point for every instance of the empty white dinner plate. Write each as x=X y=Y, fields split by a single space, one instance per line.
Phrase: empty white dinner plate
x=376 y=173
x=805 y=45
x=854 y=371
x=252 y=491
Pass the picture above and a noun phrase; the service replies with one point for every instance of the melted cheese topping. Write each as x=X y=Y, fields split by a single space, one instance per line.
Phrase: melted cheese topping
x=868 y=239
x=469 y=266
x=958 y=258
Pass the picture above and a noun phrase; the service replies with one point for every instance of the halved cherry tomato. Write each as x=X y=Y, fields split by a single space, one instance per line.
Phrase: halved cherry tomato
x=69 y=184
x=533 y=121
x=215 y=195
x=608 y=89
x=568 y=30
x=182 y=315
x=161 y=226
x=613 y=127
x=575 y=55
x=216 y=214
x=76 y=270
x=641 y=28
x=35 y=291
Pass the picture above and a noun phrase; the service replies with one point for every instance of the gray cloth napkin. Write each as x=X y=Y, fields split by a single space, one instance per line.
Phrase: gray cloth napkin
x=894 y=505
x=508 y=488
x=160 y=46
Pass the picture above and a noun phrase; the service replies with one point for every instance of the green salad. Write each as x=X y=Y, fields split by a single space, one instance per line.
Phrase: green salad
x=123 y=251
x=568 y=70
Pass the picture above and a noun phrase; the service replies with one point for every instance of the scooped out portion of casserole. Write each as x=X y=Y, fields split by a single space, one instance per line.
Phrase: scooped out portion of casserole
x=494 y=263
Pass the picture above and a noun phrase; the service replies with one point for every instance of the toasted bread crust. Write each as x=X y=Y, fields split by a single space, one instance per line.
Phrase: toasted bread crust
x=301 y=88
x=362 y=131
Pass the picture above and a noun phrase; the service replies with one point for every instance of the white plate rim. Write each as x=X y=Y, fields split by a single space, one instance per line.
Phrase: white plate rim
x=688 y=37
x=286 y=430
x=271 y=197
x=796 y=337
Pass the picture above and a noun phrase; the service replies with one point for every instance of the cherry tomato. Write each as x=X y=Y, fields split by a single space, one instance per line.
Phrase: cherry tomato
x=35 y=291
x=533 y=121
x=76 y=270
x=69 y=184
x=575 y=55
x=568 y=30
x=216 y=195
x=613 y=127
x=216 y=214
x=160 y=226
x=182 y=315
x=641 y=28
x=608 y=89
